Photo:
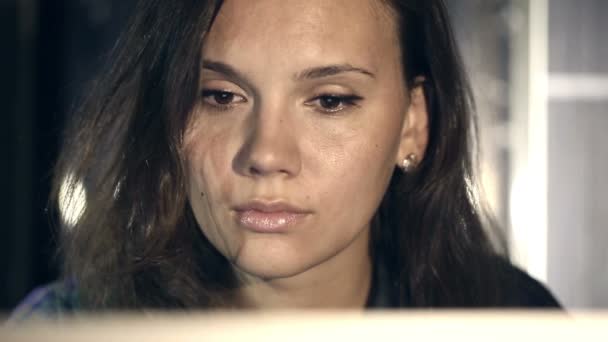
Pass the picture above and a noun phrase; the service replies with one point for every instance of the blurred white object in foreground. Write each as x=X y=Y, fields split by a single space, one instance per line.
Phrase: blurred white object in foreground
x=314 y=326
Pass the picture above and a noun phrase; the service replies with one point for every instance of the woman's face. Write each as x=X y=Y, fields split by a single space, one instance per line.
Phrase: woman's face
x=301 y=120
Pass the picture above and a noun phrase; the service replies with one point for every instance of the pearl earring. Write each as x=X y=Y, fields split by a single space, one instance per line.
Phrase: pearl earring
x=409 y=162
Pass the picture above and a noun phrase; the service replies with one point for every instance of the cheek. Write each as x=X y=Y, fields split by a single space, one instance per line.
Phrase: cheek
x=356 y=168
x=210 y=184
x=209 y=163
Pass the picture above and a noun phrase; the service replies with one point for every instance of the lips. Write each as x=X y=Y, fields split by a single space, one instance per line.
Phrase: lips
x=269 y=216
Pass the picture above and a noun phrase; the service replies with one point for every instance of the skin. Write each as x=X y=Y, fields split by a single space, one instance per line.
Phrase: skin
x=279 y=134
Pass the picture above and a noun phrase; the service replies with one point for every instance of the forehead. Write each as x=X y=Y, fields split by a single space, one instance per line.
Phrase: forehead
x=302 y=31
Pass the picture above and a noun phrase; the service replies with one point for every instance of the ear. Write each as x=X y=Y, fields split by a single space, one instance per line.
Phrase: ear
x=415 y=131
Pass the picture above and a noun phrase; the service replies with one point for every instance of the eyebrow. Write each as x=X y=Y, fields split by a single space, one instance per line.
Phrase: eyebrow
x=311 y=73
x=222 y=68
x=331 y=70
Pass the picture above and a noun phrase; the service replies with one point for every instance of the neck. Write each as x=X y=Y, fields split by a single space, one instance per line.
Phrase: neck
x=341 y=282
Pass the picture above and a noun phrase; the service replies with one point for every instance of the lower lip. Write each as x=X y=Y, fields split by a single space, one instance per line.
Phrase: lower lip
x=268 y=222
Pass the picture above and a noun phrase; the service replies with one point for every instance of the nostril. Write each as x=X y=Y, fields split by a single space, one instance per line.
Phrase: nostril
x=260 y=170
x=254 y=171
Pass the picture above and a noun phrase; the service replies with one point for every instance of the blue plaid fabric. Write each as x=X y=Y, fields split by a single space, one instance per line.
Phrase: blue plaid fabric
x=53 y=301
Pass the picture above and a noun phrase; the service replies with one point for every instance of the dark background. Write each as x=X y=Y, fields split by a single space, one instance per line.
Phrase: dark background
x=50 y=50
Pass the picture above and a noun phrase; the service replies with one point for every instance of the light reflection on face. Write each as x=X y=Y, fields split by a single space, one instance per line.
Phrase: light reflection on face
x=302 y=102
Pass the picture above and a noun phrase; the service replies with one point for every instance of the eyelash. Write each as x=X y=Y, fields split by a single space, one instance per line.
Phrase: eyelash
x=343 y=101
x=212 y=93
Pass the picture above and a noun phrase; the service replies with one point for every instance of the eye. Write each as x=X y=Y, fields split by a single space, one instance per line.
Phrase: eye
x=221 y=99
x=334 y=103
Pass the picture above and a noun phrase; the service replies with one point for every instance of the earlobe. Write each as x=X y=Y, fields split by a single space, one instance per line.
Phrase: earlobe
x=414 y=135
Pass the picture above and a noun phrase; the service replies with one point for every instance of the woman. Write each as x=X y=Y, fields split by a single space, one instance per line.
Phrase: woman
x=272 y=154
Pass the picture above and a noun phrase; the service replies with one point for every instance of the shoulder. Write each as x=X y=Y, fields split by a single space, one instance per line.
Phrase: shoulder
x=521 y=290
x=47 y=302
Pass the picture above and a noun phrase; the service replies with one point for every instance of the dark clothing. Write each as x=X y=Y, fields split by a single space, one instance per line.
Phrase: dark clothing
x=518 y=290
x=522 y=291
x=528 y=292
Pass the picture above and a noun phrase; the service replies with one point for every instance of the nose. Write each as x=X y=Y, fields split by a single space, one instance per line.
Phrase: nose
x=270 y=147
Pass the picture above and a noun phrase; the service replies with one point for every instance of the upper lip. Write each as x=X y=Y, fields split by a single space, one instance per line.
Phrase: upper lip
x=270 y=206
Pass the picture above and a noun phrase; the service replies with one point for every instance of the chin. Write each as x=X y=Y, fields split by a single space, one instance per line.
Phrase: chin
x=264 y=272
x=273 y=265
